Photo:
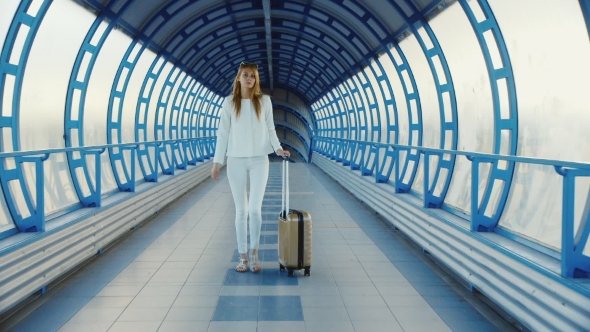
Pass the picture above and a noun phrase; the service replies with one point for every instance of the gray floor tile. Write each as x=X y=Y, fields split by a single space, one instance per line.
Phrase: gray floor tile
x=281 y=326
x=184 y=326
x=336 y=326
x=121 y=290
x=325 y=314
x=314 y=301
x=419 y=326
x=351 y=301
x=134 y=327
x=158 y=301
x=279 y=290
x=359 y=290
x=410 y=314
x=85 y=326
x=91 y=315
x=160 y=290
x=143 y=315
x=190 y=314
x=233 y=326
x=405 y=301
x=389 y=326
x=196 y=301
x=109 y=302
x=371 y=314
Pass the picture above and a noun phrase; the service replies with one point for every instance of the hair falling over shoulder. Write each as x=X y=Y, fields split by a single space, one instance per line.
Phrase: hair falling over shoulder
x=255 y=95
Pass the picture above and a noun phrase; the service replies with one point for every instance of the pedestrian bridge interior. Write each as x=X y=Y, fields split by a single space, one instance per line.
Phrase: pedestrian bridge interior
x=439 y=145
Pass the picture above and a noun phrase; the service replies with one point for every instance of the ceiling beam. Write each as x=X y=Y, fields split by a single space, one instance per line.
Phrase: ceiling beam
x=266 y=8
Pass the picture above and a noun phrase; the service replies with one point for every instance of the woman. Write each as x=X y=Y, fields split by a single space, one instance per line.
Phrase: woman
x=246 y=134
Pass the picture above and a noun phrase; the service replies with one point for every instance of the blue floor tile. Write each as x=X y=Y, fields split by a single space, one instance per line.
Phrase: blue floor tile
x=236 y=314
x=268 y=277
x=234 y=278
x=268 y=216
x=268 y=255
x=264 y=255
x=269 y=239
x=261 y=308
x=273 y=277
x=280 y=308
x=270 y=227
x=238 y=301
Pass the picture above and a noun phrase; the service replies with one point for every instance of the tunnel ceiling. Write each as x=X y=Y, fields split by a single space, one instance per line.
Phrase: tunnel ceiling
x=307 y=47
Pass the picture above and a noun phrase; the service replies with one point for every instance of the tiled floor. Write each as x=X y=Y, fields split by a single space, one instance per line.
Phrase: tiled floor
x=176 y=273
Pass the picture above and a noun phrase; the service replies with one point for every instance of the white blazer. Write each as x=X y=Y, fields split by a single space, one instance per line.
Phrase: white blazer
x=245 y=136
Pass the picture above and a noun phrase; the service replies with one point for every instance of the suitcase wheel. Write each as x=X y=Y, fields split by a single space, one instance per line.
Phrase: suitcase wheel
x=307 y=271
x=281 y=267
x=290 y=270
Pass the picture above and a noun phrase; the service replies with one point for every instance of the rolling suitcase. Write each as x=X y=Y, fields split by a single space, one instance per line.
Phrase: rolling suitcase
x=295 y=233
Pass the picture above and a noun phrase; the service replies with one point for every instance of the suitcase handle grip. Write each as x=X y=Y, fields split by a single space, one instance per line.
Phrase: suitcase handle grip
x=285 y=189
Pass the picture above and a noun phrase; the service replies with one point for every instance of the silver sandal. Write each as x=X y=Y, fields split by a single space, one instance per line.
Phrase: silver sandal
x=243 y=265
x=255 y=266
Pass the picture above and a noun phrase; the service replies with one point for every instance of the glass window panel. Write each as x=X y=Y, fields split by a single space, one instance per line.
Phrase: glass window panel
x=7 y=10
x=97 y=102
x=400 y=99
x=552 y=81
x=132 y=95
x=474 y=100
x=428 y=98
x=44 y=89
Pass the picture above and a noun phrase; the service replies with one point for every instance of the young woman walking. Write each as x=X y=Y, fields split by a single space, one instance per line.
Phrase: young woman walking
x=246 y=135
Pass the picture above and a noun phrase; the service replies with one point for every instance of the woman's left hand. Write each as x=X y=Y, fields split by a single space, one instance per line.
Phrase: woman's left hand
x=283 y=153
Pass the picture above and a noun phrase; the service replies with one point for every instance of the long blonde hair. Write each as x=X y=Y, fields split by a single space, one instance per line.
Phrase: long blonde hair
x=255 y=94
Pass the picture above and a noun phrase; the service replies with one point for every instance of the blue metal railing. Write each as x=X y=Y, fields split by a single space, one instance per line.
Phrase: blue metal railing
x=573 y=239
x=37 y=222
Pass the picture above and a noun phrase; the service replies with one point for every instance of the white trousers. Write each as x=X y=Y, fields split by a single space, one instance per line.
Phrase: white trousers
x=237 y=174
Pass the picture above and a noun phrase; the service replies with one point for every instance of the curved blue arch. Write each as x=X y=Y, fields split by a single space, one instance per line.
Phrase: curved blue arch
x=294 y=132
x=296 y=114
x=448 y=117
x=502 y=172
x=195 y=148
x=164 y=157
x=207 y=128
x=115 y=114
x=74 y=118
x=335 y=151
x=11 y=172
x=125 y=70
x=292 y=148
x=182 y=152
x=141 y=118
x=410 y=167
x=407 y=175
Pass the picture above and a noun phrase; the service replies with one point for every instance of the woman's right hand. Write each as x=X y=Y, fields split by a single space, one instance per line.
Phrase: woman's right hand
x=215 y=172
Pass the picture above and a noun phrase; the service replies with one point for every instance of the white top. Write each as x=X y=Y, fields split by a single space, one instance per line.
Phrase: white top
x=245 y=136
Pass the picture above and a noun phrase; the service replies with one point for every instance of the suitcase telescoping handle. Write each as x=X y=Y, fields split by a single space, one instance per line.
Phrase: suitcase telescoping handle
x=285 y=189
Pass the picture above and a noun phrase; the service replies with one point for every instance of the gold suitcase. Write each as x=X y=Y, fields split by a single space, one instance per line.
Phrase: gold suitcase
x=295 y=233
